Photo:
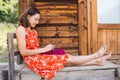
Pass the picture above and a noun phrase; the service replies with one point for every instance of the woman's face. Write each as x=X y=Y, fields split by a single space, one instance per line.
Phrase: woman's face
x=33 y=20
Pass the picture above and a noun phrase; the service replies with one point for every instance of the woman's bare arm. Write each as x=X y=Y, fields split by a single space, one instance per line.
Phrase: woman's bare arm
x=20 y=33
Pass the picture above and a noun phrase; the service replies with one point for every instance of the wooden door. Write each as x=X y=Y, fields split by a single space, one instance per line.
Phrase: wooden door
x=104 y=33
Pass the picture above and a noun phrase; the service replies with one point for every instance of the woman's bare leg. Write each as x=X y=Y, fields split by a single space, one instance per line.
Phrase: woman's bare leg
x=100 y=61
x=77 y=60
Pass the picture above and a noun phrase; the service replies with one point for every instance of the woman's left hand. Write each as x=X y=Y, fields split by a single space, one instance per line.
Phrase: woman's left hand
x=50 y=47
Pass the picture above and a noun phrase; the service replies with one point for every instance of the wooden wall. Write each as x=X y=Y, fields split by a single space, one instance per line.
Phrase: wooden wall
x=63 y=23
x=110 y=34
x=104 y=34
x=72 y=25
x=58 y=24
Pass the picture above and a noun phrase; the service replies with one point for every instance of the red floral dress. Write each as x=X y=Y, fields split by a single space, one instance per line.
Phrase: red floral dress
x=44 y=65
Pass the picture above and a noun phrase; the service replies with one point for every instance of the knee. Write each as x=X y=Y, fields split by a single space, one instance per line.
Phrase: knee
x=70 y=60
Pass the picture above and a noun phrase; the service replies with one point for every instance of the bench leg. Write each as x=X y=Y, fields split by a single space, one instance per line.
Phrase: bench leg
x=42 y=78
x=5 y=75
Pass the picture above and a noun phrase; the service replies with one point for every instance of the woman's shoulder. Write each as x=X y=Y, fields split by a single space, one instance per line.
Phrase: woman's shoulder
x=20 y=29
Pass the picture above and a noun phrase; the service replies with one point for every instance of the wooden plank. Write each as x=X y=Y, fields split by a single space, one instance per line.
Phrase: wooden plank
x=118 y=44
x=67 y=43
x=74 y=15
x=30 y=2
x=4 y=74
x=58 y=40
x=109 y=38
x=59 y=6
x=101 y=37
x=57 y=28
x=68 y=46
x=112 y=40
x=64 y=46
x=85 y=26
x=58 y=33
x=57 y=1
x=104 y=34
x=109 y=26
x=89 y=25
x=59 y=20
x=107 y=69
x=30 y=76
x=51 y=3
x=94 y=25
x=48 y=11
x=108 y=66
x=70 y=33
x=91 y=75
x=97 y=72
x=73 y=52
x=22 y=7
x=82 y=26
x=24 y=4
x=115 y=57
x=11 y=71
x=76 y=75
x=118 y=72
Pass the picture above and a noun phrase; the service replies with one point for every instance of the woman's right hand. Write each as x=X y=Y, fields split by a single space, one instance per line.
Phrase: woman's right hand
x=50 y=47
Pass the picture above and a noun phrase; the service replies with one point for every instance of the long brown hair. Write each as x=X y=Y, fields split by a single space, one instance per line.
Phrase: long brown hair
x=23 y=19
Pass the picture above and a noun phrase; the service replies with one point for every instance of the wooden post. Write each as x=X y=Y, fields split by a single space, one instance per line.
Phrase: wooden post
x=24 y=4
x=11 y=71
x=89 y=25
x=82 y=27
x=94 y=25
x=5 y=75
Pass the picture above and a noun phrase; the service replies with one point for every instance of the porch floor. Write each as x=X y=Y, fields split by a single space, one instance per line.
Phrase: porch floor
x=106 y=72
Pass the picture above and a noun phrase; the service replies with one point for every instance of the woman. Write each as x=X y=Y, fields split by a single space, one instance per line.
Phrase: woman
x=36 y=58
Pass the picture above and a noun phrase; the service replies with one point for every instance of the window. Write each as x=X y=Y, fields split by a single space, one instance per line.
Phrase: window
x=108 y=11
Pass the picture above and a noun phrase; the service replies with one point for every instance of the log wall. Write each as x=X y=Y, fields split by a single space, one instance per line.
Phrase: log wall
x=58 y=24
x=72 y=25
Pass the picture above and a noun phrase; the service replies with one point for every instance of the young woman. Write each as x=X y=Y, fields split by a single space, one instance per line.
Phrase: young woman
x=36 y=58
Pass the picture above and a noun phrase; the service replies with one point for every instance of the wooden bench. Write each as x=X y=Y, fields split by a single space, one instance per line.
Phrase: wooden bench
x=11 y=54
x=67 y=73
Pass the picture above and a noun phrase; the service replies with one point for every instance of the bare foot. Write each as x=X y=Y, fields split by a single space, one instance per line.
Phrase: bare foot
x=101 y=51
x=101 y=61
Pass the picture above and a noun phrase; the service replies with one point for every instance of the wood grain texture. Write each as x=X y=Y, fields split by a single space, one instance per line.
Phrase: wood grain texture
x=82 y=27
x=59 y=24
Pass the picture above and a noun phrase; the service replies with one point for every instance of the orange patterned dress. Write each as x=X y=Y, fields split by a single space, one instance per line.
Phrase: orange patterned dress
x=42 y=64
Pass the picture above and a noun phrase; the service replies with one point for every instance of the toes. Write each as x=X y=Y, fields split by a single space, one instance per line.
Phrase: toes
x=102 y=50
x=105 y=57
x=105 y=47
x=109 y=54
